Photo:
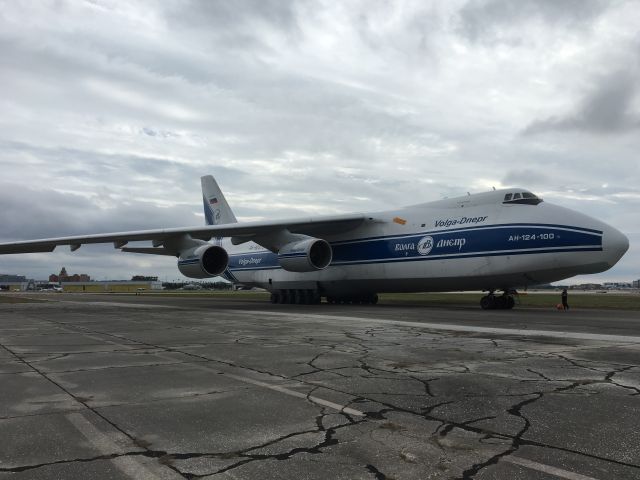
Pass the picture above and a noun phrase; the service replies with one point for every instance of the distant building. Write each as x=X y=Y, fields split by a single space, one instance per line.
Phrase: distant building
x=63 y=276
x=117 y=286
x=14 y=282
x=8 y=278
x=617 y=285
x=588 y=286
x=636 y=283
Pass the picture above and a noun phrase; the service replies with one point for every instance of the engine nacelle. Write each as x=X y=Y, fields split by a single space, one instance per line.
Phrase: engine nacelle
x=203 y=262
x=305 y=255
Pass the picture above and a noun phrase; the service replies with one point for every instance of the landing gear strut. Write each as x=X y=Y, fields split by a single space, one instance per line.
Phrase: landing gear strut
x=370 y=299
x=313 y=297
x=300 y=297
x=495 y=302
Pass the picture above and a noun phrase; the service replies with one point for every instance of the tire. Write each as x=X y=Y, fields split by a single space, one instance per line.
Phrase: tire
x=307 y=297
x=282 y=296
x=487 y=303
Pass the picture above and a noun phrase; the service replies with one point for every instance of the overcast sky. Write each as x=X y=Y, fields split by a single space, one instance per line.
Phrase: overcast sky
x=112 y=110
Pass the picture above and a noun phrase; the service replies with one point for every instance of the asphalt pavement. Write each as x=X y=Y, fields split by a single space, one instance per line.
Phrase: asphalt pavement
x=116 y=386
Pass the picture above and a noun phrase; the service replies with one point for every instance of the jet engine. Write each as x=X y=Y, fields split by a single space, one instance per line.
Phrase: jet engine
x=305 y=255
x=203 y=262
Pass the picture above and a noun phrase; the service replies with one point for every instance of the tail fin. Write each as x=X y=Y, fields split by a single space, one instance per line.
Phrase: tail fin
x=216 y=208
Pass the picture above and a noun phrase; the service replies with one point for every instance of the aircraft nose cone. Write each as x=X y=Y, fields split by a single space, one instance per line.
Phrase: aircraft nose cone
x=615 y=244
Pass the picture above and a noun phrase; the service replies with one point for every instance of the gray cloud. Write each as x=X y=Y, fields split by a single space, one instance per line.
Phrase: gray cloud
x=527 y=176
x=607 y=109
x=53 y=213
x=112 y=112
x=502 y=20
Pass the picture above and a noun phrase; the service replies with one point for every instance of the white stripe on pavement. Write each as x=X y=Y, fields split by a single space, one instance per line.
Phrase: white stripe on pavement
x=132 y=467
x=281 y=389
x=293 y=393
x=541 y=467
x=451 y=327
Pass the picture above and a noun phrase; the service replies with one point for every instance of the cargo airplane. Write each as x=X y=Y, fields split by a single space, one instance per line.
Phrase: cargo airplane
x=495 y=242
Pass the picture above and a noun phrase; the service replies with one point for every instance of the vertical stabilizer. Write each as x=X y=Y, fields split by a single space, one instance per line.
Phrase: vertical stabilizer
x=216 y=208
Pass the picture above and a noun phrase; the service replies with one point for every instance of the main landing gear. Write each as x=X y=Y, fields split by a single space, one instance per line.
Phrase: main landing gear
x=298 y=297
x=313 y=297
x=495 y=302
x=371 y=299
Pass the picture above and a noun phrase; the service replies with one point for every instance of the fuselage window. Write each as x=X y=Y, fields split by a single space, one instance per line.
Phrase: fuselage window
x=507 y=197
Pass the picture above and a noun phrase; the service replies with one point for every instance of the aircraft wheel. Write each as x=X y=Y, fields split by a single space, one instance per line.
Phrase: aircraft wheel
x=282 y=296
x=487 y=302
x=370 y=299
x=308 y=297
x=511 y=302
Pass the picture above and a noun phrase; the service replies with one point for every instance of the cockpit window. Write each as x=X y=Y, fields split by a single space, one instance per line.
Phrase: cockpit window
x=521 y=198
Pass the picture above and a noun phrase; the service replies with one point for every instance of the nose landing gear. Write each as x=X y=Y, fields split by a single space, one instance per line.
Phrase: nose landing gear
x=495 y=302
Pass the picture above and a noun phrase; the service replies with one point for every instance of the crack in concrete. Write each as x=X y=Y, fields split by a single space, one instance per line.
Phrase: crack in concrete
x=517 y=440
x=378 y=475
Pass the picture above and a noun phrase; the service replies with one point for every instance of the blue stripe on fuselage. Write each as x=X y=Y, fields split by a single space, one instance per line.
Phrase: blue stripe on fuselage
x=514 y=239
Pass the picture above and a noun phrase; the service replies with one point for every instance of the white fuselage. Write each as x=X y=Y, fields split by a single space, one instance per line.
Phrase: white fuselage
x=467 y=243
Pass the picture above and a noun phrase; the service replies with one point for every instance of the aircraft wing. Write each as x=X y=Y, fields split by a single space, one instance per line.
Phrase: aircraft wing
x=318 y=226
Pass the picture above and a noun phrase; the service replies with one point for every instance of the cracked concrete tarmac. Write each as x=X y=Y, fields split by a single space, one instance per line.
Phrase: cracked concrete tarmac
x=108 y=387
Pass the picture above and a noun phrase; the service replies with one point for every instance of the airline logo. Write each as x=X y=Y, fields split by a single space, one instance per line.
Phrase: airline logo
x=425 y=245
